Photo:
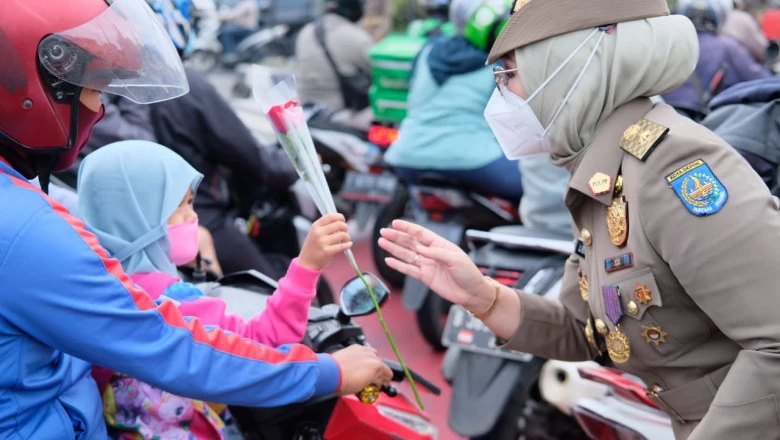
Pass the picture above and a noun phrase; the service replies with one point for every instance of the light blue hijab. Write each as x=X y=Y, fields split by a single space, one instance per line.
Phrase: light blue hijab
x=127 y=192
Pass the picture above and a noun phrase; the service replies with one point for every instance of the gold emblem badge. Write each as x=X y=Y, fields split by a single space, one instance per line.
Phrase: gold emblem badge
x=617 y=221
x=643 y=294
x=584 y=287
x=633 y=308
x=631 y=131
x=601 y=327
x=654 y=334
x=600 y=184
x=642 y=137
x=618 y=347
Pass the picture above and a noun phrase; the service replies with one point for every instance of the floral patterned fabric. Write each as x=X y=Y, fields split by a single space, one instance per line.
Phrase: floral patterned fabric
x=137 y=411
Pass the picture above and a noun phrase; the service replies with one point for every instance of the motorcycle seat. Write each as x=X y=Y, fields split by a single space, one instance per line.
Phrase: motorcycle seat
x=438 y=179
x=322 y=118
x=443 y=180
x=532 y=232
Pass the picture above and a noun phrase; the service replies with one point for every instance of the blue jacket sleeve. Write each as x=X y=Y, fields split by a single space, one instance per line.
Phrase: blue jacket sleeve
x=71 y=296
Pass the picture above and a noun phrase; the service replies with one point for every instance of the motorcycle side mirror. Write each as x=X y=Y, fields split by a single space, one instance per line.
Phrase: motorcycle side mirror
x=355 y=298
x=772 y=52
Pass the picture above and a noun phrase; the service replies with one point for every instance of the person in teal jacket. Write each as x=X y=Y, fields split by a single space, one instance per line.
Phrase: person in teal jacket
x=445 y=129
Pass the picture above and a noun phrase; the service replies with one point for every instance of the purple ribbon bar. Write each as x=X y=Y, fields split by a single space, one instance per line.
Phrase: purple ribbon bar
x=612 y=305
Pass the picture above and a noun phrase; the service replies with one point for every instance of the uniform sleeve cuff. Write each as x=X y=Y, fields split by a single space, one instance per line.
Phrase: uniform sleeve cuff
x=530 y=305
x=330 y=376
x=303 y=277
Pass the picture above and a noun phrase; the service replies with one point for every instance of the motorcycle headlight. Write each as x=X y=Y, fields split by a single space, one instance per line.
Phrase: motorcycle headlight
x=411 y=421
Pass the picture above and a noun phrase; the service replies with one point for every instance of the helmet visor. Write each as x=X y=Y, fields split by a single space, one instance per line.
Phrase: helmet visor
x=123 y=51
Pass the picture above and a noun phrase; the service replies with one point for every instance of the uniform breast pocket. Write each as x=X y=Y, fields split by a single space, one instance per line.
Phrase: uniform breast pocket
x=639 y=292
x=667 y=329
x=640 y=296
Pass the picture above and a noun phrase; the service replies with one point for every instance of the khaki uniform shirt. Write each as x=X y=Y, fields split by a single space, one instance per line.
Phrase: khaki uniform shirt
x=699 y=294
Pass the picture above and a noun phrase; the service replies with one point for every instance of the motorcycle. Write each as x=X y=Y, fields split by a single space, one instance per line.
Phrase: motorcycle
x=496 y=392
x=375 y=187
x=391 y=416
x=176 y=16
x=272 y=39
x=352 y=165
x=278 y=222
x=392 y=60
x=448 y=208
x=625 y=412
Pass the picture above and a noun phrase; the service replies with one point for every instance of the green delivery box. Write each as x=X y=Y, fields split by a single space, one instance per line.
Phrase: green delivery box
x=389 y=104
x=391 y=63
x=391 y=60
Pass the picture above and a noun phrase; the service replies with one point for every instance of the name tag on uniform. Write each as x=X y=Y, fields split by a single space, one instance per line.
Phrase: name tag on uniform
x=619 y=263
x=580 y=249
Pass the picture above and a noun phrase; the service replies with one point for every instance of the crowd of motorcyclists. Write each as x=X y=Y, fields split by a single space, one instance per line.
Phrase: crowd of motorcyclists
x=99 y=333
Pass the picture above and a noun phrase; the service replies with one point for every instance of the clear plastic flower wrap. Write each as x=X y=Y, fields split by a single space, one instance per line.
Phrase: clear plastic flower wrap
x=278 y=99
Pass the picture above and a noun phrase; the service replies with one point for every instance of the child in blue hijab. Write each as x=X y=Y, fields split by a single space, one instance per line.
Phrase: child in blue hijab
x=136 y=197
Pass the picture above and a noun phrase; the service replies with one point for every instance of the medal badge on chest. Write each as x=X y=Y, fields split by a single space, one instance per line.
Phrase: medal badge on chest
x=618 y=345
x=617 y=221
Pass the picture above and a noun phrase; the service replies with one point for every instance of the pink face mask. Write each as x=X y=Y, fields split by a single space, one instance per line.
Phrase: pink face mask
x=184 y=242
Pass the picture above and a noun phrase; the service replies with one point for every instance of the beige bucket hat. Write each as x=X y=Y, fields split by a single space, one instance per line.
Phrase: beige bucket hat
x=536 y=20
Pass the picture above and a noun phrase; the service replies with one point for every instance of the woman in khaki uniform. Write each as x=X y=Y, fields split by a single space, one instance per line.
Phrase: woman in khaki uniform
x=677 y=266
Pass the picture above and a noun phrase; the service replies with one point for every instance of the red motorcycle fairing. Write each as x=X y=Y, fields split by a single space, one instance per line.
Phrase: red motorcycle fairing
x=354 y=420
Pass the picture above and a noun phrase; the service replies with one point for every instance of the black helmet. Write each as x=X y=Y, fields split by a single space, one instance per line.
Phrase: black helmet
x=435 y=8
x=352 y=10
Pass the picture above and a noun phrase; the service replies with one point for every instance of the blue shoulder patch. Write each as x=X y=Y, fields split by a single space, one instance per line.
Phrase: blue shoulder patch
x=698 y=188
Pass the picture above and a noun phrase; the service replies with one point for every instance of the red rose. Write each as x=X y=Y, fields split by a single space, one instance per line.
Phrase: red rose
x=276 y=115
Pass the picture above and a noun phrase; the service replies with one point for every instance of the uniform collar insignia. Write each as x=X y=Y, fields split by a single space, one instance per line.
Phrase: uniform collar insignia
x=604 y=154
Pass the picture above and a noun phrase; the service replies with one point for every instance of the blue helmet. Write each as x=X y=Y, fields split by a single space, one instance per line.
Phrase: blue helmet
x=175 y=17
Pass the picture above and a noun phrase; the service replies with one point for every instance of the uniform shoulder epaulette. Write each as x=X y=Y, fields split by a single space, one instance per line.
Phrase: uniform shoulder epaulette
x=641 y=138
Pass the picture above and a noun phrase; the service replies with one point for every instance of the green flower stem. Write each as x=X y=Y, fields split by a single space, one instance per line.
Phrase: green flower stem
x=409 y=377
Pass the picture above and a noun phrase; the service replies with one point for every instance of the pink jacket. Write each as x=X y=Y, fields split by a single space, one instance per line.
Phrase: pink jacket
x=283 y=321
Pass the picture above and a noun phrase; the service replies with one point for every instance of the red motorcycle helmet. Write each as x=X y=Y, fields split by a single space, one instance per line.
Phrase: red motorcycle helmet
x=770 y=24
x=50 y=52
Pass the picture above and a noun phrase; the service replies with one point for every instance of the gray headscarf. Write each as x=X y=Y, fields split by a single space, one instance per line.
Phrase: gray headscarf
x=639 y=58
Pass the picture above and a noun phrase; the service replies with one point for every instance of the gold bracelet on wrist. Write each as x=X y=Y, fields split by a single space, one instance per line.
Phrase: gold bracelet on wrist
x=482 y=316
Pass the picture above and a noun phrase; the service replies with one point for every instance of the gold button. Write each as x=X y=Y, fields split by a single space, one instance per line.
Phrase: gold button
x=586 y=237
x=601 y=327
x=619 y=184
x=633 y=308
x=656 y=389
x=589 y=335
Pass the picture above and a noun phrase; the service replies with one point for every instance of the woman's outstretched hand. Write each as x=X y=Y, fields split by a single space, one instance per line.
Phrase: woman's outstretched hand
x=440 y=264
